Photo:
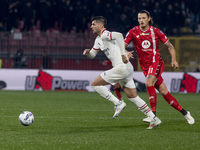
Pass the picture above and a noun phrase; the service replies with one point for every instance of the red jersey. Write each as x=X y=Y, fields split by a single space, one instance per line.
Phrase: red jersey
x=146 y=44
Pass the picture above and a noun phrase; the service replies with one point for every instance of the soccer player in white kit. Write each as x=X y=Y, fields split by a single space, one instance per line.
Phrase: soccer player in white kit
x=112 y=44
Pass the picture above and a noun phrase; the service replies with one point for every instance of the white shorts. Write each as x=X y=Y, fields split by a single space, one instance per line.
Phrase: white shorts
x=122 y=73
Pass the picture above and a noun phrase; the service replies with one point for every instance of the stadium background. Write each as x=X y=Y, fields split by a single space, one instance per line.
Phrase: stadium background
x=52 y=34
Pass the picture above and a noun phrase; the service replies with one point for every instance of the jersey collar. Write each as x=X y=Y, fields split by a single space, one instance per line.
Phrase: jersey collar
x=102 y=32
x=145 y=30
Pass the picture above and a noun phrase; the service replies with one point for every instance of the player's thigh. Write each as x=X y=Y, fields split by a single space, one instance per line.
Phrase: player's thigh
x=153 y=69
x=154 y=73
x=99 y=81
x=150 y=80
x=156 y=68
x=114 y=75
x=129 y=88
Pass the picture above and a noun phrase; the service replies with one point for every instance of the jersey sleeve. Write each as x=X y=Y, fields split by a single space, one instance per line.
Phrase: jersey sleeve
x=163 y=38
x=95 y=49
x=96 y=45
x=106 y=36
x=128 y=37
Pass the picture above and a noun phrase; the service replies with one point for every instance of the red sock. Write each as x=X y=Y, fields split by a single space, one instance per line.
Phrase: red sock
x=118 y=93
x=152 y=97
x=172 y=101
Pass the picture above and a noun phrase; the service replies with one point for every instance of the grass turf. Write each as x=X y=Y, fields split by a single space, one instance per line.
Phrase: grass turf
x=83 y=120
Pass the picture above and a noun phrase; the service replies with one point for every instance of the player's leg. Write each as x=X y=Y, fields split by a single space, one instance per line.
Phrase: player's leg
x=150 y=81
x=153 y=75
x=98 y=86
x=109 y=77
x=130 y=90
x=173 y=102
x=141 y=104
x=117 y=89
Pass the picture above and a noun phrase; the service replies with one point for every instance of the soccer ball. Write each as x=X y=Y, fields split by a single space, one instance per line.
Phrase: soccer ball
x=26 y=118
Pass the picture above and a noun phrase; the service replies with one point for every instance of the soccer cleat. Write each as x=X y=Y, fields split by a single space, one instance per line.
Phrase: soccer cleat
x=189 y=118
x=154 y=123
x=119 y=108
x=147 y=120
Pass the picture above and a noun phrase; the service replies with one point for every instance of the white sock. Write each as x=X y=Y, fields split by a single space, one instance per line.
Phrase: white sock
x=105 y=93
x=142 y=105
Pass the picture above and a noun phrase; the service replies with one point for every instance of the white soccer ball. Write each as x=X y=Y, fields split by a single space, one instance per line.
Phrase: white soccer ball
x=26 y=118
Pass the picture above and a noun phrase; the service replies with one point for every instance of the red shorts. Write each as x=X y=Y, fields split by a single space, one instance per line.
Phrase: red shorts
x=156 y=70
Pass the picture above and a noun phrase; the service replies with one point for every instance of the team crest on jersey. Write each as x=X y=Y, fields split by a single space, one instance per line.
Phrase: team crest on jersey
x=146 y=44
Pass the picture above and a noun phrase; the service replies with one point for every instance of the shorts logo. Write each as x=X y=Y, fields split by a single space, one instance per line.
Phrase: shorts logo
x=146 y=44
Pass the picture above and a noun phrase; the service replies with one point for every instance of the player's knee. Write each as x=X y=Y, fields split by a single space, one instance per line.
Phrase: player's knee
x=131 y=93
x=149 y=83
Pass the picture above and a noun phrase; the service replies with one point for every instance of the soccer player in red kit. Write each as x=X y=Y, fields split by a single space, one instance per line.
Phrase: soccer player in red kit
x=145 y=38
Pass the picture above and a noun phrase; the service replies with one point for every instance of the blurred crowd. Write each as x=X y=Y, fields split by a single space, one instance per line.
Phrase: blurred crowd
x=171 y=16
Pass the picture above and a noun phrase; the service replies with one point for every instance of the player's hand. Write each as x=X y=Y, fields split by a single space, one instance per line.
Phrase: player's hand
x=174 y=64
x=86 y=51
x=124 y=59
x=130 y=54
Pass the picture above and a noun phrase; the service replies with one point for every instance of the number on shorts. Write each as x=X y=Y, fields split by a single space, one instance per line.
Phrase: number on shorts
x=150 y=70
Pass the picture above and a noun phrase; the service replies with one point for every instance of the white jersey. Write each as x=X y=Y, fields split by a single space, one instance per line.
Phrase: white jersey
x=114 y=49
x=109 y=46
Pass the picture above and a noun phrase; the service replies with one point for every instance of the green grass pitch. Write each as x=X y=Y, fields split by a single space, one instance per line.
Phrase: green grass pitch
x=83 y=120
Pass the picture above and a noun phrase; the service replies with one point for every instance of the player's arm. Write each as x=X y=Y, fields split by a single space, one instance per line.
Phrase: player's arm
x=125 y=45
x=127 y=40
x=120 y=40
x=129 y=53
x=172 y=52
x=91 y=53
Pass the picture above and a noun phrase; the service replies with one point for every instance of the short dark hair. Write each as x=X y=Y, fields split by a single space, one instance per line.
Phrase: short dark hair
x=148 y=15
x=100 y=19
